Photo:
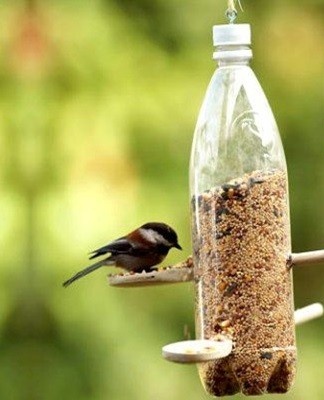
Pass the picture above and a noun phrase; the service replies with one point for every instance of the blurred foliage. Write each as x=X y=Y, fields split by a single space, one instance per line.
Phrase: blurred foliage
x=98 y=103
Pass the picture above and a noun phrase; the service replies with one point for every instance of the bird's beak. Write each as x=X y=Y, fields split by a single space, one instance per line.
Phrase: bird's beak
x=177 y=246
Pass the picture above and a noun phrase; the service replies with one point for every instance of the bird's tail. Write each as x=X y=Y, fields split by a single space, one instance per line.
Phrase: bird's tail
x=87 y=271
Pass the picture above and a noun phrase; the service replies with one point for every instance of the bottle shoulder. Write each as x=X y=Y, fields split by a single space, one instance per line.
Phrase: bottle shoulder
x=242 y=75
x=236 y=131
x=235 y=87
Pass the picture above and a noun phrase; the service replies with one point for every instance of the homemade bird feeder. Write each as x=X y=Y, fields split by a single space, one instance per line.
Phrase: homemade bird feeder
x=242 y=260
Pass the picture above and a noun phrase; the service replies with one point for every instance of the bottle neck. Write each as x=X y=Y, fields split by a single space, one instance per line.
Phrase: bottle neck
x=227 y=55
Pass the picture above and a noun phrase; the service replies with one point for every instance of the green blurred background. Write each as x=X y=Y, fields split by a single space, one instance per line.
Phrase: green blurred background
x=98 y=102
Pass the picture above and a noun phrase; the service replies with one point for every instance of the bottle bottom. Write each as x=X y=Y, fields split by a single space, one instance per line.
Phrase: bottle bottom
x=267 y=371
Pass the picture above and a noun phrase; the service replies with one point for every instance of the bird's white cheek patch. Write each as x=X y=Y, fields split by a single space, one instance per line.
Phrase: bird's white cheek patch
x=154 y=237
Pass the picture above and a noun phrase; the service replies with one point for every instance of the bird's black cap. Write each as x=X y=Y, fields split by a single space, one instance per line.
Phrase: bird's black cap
x=164 y=230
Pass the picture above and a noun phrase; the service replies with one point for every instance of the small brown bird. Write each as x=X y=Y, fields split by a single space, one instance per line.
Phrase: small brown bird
x=140 y=250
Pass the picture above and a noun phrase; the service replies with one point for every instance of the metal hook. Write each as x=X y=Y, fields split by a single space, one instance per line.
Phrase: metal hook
x=231 y=12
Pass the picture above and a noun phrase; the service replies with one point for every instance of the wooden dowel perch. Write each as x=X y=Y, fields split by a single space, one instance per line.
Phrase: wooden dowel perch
x=183 y=271
x=308 y=257
x=308 y=313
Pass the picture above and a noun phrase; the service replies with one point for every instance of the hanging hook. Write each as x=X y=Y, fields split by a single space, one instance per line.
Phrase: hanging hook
x=231 y=12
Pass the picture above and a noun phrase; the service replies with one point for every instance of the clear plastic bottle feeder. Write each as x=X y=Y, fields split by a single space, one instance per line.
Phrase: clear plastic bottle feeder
x=241 y=229
x=242 y=261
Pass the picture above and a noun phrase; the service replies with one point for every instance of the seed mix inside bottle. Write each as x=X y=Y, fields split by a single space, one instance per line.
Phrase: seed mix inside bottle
x=243 y=285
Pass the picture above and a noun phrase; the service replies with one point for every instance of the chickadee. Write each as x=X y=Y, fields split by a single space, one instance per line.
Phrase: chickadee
x=138 y=251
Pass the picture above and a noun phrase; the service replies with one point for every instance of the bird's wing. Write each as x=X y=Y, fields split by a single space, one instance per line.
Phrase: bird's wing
x=118 y=246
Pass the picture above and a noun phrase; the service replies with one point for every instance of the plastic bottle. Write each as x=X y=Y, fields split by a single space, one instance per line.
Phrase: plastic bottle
x=241 y=228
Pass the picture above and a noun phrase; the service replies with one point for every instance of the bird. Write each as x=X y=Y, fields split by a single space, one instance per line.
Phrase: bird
x=140 y=250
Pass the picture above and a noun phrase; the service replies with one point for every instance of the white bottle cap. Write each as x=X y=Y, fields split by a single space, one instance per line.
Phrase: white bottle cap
x=232 y=35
